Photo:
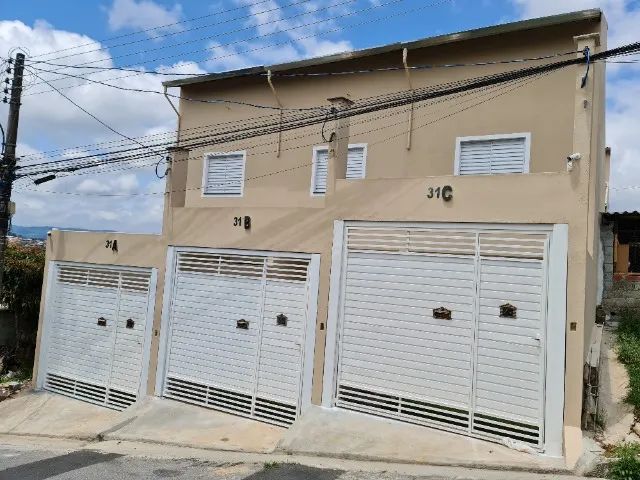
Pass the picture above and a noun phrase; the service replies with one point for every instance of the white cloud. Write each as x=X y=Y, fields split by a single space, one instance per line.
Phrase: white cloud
x=48 y=121
x=144 y=15
x=289 y=34
x=623 y=91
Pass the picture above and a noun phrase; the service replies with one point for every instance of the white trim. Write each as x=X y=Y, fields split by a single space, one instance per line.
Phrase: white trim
x=205 y=169
x=167 y=297
x=313 y=279
x=486 y=227
x=48 y=318
x=322 y=148
x=505 y=136
x=314 y=160
x=148 y=333
x=239 y=251
x=310 y=333
x=331 y=341
x=556 y=338
x=46 y=324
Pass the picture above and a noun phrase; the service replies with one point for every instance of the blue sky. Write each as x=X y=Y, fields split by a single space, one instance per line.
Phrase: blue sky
x=227 y=34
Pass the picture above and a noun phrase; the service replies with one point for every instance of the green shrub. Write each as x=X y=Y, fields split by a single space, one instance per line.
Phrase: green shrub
x=628 y=347
x=626 y=465
x=23 y=269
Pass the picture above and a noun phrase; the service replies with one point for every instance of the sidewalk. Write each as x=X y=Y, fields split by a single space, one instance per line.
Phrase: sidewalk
x=321 y=433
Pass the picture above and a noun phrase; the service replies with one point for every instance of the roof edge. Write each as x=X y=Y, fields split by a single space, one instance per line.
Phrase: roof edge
x=519 y=26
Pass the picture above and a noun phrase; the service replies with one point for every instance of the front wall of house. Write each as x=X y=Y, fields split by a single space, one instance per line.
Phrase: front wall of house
x=542 y=107
x=286 y=217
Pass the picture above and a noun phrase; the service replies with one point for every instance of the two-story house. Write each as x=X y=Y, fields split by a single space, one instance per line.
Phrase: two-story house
x=434 y=262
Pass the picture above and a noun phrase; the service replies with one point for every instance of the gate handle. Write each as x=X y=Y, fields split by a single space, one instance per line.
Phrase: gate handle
x=102 y=322
x=242 y=324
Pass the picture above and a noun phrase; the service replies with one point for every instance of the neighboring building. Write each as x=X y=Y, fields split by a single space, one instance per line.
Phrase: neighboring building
x=442 y=270
x=620 y=234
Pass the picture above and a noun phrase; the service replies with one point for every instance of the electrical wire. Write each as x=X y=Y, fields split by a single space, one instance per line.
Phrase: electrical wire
x=3 y=138
x=373 y=104
x=277 y=172
x=314 y=74
x=106 y=125
x=276 y=31
x=290 y=40
x=102 y=163
x=159 y=27
x=180 y=97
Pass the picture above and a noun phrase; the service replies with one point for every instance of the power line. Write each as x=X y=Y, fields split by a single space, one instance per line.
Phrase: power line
x=249 y=27
x=159 y=27
x=118 y=160
x=174 y=132
x=314 y=74
x=372 y=104
x=106 y=125
x=289 y=41
x=180 y=97
x=277 y=172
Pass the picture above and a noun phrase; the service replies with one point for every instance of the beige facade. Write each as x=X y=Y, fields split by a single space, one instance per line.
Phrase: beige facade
x=559 y=115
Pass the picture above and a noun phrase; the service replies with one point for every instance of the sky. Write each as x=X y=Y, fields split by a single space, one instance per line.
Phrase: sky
x=198 y=36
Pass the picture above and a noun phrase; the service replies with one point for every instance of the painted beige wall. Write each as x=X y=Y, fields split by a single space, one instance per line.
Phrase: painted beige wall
x=285 y=217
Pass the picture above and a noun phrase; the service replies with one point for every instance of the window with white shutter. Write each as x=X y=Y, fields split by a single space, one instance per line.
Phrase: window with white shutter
x=356 y=166
x=224 y=174
x=494 y=154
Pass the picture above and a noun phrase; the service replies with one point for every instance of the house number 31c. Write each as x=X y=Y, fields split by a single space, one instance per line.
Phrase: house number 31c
x=445 y=193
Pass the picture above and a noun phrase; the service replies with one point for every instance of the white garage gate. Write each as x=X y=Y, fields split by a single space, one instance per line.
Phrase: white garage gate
x=443 y=325
x=240 y=332
x=96 y=332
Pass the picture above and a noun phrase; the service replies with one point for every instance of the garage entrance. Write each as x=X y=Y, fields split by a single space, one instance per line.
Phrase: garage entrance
x=96 y=333
x=240 y=332
x=445 y=326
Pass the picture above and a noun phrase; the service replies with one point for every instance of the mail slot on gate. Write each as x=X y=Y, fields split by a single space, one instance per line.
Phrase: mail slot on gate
x=242 y=324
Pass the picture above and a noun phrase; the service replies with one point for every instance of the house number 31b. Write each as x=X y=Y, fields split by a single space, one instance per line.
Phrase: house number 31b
x=445 y=193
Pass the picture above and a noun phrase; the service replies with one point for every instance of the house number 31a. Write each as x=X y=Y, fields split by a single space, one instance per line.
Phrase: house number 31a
x=445 y=193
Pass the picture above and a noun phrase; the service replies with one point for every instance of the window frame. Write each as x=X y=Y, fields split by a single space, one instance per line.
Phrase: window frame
x=205 y=168
x=501 y=136
x=314 y=161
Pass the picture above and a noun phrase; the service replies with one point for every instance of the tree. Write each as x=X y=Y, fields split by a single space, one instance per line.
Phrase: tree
x=24 y=267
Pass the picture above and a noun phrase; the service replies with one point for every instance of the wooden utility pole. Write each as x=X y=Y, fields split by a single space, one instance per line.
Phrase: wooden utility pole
x=8 y=166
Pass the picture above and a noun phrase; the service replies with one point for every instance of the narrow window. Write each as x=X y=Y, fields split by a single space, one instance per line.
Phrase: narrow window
x=224 y=174
x=492 y=155
x=356 y=166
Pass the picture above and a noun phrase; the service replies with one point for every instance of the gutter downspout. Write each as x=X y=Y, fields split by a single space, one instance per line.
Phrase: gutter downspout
x=275 y=94
x=175 y=110
x=407 y=72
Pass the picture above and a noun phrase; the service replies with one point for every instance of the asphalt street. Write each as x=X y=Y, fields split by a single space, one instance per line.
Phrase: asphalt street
x=89 y=465
x=42 y=458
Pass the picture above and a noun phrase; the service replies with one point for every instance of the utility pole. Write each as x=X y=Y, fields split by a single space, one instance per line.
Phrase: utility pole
x=8 y=166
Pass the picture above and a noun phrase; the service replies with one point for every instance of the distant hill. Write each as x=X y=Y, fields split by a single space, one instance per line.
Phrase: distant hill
x=38 y=233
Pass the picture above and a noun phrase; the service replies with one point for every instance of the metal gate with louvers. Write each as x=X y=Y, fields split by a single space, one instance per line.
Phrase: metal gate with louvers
x=237 y=333
x=445 y=327
x=96 y=333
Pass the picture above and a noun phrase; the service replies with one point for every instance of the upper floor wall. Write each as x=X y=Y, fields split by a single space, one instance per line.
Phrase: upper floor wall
x=283 y=170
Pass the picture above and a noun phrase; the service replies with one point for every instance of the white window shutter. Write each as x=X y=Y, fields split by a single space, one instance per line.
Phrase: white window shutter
x=355 y=167
x=493 y=156
x=355 y=163
x=224 y=174
x=320 y=172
